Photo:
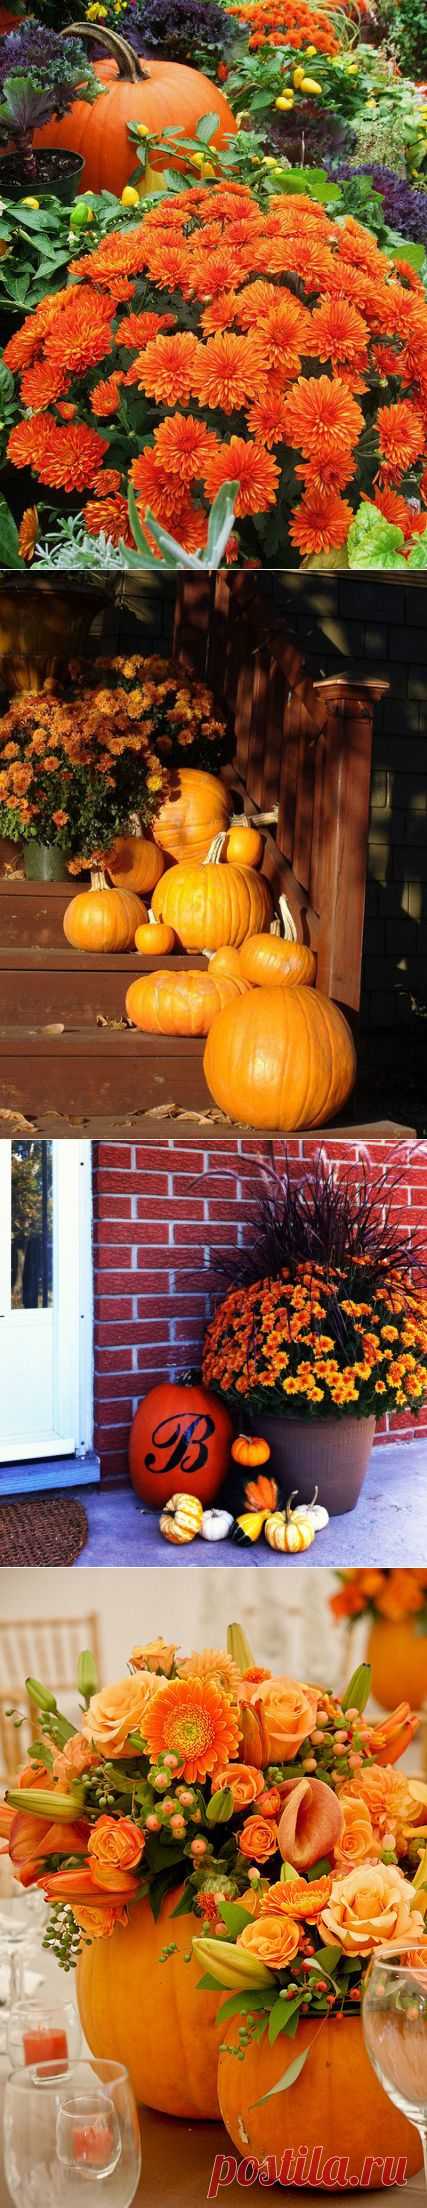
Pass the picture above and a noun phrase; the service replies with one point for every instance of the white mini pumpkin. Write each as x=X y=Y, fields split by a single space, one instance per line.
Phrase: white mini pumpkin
x=216 y=1525
x=319 y=1516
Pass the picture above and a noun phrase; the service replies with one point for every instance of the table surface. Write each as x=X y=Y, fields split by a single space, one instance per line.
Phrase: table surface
x=178 y=2158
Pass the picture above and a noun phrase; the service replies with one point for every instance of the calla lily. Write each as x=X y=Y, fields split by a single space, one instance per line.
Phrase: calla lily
x=311 y=1822
x=254 y=1735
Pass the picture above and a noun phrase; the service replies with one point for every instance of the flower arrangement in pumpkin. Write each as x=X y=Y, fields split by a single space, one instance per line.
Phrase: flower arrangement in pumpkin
x=272 y=1806
x=394 y=1595
x=276 y=348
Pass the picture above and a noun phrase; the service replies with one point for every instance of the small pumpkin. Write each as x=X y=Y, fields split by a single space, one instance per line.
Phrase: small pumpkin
x=315 y=1510
x=210 y=905
x=250 y=1449
x=182 y=1518
x=244 y=846
x=280 y=1058
x=195 y=809
x=216 y=1525
x=226 y=961
x=103 y=919
x=135 y=862
x=179 y=1431
x=261 y=1494
x=270 y=960
x=184 y=1003
x=155 y=939
x=283 y=1531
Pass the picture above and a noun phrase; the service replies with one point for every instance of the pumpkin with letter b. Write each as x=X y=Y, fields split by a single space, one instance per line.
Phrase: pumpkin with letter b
x=180 y=1439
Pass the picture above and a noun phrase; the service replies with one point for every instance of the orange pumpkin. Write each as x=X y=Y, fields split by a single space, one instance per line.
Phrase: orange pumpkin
x=244 y=845
x=155 y=939
x=195 y=809
x=160 y=94
x=250 y=1449
x=397 y=1652
x=337 y=2103
x=268 y=959
x=185 y=1003
x=180 y=1438
x=102 y=919
x=149 y=2015
x=226 y=961
x=135 y=862
x=280 y=1058
x=212 y=905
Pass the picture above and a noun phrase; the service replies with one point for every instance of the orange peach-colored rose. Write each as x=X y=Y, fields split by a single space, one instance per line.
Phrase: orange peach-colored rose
x=357 y=1842
x=116 y=1845
x=369 y=1905
x=98 y=1922
x=157 y=1655
x=275 y=1940
x=120 y=1710
x=303 y=1898
x=290 y=1713
x=270 y=1801
x=244 y=1782
x=311 y=1822
x=70 y=1762
x=258 y=1839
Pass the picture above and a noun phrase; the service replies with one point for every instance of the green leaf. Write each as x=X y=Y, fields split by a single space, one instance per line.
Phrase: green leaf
x=240 y=2002
x=358 y=1691
x=9 y=540
x=282 y=2014
x=183 y=1907
x=327 y=1960
x=206 y=128
x=406 y=249
x=234 y=1916
x=289 y=2078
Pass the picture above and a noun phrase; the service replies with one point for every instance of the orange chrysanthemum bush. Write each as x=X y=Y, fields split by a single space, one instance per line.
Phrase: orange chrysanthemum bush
x=278 y=349
x=287 y=22
x=303 y=1341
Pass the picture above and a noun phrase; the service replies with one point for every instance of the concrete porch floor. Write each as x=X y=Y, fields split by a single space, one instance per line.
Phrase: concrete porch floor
x=388 y=1526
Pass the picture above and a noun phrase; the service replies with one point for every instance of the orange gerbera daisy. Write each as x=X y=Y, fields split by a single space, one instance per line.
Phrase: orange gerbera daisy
x=321 y=523
x=194 y=1721
x=401 y=435
x=226 y=372
x=245 y=463
x=166 y=369
x=321 y=417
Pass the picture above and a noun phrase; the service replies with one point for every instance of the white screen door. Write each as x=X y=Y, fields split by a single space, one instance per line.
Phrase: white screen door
x=45 y=1299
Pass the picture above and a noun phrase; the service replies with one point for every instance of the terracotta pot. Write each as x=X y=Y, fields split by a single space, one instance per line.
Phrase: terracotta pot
x=398 y=1655
x=41 y=628
x=329 y=1453
x=336 y=2107
x=149 y=2014
x=45 y=862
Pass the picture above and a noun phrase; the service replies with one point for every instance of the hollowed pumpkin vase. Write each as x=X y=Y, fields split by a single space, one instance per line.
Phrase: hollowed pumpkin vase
x=149 y=2015
x=336 y=2105
x=398 y=1655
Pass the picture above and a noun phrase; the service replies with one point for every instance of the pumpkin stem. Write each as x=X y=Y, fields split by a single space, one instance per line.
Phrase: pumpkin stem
x=98 y=880
x=118 y=47
x=290 y=1501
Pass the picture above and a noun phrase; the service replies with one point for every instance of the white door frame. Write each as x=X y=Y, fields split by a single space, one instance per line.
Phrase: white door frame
x=72 y=1311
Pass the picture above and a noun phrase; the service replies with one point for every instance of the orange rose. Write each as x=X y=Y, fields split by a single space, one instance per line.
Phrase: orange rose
x=270 y=1801
x=158 y=1655
x=299 y=1897
x=118 y=1711
x=245 y=1783
x=357 y=1841
x=274 y=1940
x=115 y=1848
x=259 y=1839
x=71 y=1761
x=98 y=1922
x=290 y=1713
x=369 y=1906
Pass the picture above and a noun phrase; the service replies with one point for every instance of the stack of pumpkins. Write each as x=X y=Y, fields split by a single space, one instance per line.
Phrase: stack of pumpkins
x=278 y=1053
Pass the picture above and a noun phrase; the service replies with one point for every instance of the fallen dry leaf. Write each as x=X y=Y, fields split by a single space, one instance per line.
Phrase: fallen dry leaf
x=13 y=1123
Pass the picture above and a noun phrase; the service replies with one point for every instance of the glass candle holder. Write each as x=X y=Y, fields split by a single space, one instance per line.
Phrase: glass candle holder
x=394 y=2015
x=70 y=2130
x=39 y=2034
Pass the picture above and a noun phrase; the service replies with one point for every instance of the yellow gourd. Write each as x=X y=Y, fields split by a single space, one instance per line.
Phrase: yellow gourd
x=182 y=1518
x=251 y=1524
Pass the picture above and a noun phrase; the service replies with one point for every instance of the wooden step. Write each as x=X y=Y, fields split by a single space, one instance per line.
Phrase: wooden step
x=31 y=913
x=74 y=986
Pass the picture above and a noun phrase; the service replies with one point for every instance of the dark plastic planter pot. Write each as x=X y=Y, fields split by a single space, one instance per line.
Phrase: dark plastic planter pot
x=331 y=1454
x=45 y=862
x=57 y=173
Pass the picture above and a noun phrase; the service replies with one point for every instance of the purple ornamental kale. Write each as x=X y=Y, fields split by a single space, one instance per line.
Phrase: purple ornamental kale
x=52 y=64
x=177 y=29
x=404 y=206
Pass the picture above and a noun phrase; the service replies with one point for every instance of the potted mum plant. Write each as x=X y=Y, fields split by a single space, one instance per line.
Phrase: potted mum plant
x=39 y=76
x=324 y=1328
x=395 y=1604
x=71 y=772
x=201 y=1835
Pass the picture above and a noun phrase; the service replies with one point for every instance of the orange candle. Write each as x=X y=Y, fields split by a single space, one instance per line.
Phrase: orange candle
x=93 y=2144
x=45 y=2043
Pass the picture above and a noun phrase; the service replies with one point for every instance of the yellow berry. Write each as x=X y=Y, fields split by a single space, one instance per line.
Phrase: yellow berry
x=309 y=84
x=34 y=203
x=285 y=102
x=130 y=198
x=298 y=78
x=310 y=52
x=142 y=130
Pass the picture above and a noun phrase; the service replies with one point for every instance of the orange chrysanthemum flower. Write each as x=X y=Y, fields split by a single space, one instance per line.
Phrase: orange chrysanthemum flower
x=28 y=534
x=42 y=384
x=166 y=369
x=105 y=396
x=401 y=435
x=65 y=457
x=109 y=515
x=339 y=333
x=321 y=523
x=255 y=471
x=81 y=333
x=185 y=447
x=226 y=372
x=321 y=417
x=195 y=1722
x=137 y=329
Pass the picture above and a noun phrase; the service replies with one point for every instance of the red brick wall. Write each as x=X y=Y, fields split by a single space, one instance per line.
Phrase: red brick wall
x=161 y=1213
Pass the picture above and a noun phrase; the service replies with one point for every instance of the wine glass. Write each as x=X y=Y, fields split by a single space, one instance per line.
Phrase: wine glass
x=38 y=2033
x=394 y=2013
x=68 y=2128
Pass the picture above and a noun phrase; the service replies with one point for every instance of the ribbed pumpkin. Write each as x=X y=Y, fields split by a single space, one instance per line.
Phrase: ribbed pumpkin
x=180 y=1438
x=165 y=1003
x=226 y=961
x=398 y=1653
x=244 y=845
x=149 y=2015
x=103 y=919
x=195 y=809
x=155 y=939
x=280 y=1058
x=161 y=94
x=134 y=862
x=337 y=2103
x=182 y=1519
x=212 y=905
x=268 y=959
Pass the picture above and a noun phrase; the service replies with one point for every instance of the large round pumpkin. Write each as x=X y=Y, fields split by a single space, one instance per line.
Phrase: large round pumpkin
x=149 y=2015
x=166 y=1003
x=398 y=1655
x=102 y=919
x=212 y=905
x=135 y=862
x=196 y=808
x=161 y=94
x=336 y=2105
x=180 y=1439
x=267 y=960
x=280 y=1058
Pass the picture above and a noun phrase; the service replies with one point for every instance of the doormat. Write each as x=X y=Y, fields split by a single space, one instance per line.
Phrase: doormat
x=44 y=1529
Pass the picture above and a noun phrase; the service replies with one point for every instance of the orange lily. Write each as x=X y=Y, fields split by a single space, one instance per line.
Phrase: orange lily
x=32 y=1838
x=388 y=1742
x=80 y=1885
x=254 y=1735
